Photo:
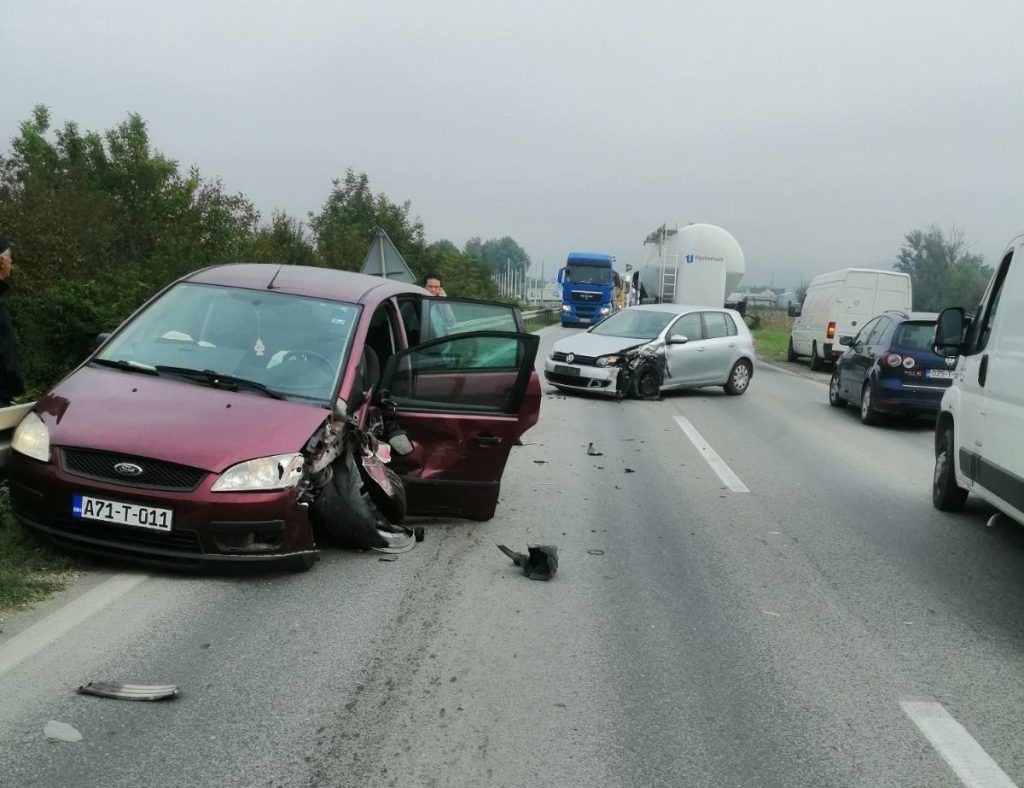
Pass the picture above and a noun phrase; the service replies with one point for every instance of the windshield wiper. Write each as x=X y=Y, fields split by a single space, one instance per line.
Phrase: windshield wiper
x=130 y=366
x=219 y=380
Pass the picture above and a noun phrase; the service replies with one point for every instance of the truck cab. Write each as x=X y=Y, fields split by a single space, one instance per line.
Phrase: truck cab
x=587 y=283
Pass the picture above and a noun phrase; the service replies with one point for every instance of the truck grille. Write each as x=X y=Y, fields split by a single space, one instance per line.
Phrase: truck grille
x=156 y=474
x=582 y=295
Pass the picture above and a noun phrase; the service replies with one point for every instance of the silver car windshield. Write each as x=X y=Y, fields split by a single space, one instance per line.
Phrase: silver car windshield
x=634 y=323
x=292 y=345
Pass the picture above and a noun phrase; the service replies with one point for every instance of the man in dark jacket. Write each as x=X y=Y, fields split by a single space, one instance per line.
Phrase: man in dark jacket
x=11 y=384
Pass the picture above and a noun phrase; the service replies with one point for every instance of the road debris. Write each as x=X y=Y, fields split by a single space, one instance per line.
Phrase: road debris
x=388 y=558
x=593 y=452
x=772 y=613
x=596 y=552
x=629 y=470
x=60 y=731
x=119 y=691
x=540 y=564
x=541 y=462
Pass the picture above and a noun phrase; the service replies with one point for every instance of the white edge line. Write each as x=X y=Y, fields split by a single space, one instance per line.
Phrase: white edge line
x=972 y=764
x=718 y=465
x=44 y=632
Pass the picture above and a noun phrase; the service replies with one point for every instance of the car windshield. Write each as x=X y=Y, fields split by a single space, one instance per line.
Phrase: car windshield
x=588 y=274
x=915 y=336
x=292 y=345
x=634 y=323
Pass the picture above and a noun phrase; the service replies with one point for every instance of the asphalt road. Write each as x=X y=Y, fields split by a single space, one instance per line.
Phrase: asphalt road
x=695 y=635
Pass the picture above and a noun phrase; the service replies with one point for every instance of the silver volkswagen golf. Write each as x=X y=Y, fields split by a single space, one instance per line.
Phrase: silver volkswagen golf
x=644 y=350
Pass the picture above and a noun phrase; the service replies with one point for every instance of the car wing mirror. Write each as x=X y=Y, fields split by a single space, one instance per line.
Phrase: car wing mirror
x=948 y=339
x=794 y=310
x=846 y=341
x=678 y=339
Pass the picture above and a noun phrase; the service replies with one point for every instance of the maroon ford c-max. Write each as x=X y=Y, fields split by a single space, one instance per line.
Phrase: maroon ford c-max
x=248 y=408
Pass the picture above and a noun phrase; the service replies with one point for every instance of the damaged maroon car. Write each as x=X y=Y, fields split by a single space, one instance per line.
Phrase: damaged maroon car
x=248 y=408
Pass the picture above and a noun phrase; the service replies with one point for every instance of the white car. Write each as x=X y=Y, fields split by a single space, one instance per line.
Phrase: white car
x=646 y=349
x=979 y=435
x=838 y=304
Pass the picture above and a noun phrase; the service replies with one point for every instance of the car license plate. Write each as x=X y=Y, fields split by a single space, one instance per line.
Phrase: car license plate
x=122 y=513
x=561 y=369
x=939 y=373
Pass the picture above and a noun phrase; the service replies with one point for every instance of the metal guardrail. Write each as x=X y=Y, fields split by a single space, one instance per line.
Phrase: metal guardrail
x=10 y=418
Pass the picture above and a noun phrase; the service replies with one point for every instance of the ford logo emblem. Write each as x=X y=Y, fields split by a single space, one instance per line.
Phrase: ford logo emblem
x=128 y=469
x=571 y=357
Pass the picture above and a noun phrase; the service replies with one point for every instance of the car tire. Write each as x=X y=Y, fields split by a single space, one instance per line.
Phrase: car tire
x=739 y=378
x=868 y=414
x=817 y=362
x=834 y=399
x=790 y=352
x=647 y=382
x=947 y=495
x=303 y=563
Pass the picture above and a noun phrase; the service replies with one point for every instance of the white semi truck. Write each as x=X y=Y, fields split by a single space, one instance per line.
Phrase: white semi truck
x=698 y=264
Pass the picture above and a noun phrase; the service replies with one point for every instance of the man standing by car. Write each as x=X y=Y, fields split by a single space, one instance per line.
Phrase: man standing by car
x=11 y=384
x=433 y=284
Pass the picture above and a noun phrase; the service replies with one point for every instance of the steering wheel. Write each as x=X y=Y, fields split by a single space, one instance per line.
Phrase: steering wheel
x=309 y=355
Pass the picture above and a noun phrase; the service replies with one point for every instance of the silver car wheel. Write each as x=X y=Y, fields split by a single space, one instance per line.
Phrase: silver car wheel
x=740 y=377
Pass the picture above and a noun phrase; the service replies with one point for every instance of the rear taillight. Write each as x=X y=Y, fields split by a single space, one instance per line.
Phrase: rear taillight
x=830 y=332
x=895 y=360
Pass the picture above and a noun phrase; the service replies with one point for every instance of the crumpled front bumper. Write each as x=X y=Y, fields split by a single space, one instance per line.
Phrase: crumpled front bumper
x=585 y=378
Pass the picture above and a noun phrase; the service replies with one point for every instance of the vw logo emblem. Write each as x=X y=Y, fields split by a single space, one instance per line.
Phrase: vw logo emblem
x=128 y=469
x=571 y=357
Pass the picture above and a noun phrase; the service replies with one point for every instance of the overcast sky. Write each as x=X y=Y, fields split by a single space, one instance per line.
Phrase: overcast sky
x=818 y=132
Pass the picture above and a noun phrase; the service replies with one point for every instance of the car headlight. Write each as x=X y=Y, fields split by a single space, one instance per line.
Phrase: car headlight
x=607 y=361
x=566 y=308
x=279 y=472
x=32 y=438
x=604 y=310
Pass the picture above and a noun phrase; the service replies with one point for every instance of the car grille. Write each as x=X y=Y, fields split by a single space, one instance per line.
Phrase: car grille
x=156 y=474
x=583 y=361
x=180 y=541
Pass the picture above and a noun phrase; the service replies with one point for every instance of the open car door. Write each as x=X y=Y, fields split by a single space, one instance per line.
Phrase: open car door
x=464 y=400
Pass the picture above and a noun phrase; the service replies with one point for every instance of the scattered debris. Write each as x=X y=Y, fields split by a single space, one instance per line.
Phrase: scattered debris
x=772 y=613
x=540 y=564
x=60 y=731
x=629 y=470
x=593 y=452
x=541 y=462
x=994 y=520
x=119 y=691
x=596 y=552
x=388 y=557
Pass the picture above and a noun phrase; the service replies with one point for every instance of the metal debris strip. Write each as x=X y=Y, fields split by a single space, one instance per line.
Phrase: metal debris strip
x=540 y=564
x=593 y=452
x=596 y=552
x=60 y=731
x=119 y=691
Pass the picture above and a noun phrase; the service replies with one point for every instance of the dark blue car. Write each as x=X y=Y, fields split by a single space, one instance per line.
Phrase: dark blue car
x=890 y=368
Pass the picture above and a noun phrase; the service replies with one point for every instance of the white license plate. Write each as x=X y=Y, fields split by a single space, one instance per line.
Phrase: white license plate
x=939 y=373
x=122 y=513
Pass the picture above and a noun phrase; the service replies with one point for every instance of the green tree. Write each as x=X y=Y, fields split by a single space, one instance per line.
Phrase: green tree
x=943 y=270
x=284 y=240
x=499 y=254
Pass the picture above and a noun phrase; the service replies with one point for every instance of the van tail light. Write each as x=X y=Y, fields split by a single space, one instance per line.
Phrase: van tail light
x=830 y=332
x=894 y=360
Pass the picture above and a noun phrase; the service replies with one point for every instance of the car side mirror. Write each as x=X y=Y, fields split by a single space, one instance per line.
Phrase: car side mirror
x=561 y=275
x=794 y=310
x=846 y=341
x=100 y=339
x=949 y=332
x=678 y=339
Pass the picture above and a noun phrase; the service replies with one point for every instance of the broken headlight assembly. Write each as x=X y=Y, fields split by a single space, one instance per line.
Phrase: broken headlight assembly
x=280 y=472
x=607 y=361
x=32 y=438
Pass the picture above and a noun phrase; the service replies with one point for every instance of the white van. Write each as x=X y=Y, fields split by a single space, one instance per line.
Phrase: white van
x=839 y=303
x=979 y=435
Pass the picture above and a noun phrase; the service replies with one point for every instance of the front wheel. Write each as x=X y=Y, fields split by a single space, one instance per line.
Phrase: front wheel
x=648 y=382
x=834 y=399
x=947 y=495
x=868 y=414
x=739 y=378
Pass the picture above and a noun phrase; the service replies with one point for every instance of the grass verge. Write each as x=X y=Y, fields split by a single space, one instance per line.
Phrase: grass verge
x=771 y=328
x=29 y=571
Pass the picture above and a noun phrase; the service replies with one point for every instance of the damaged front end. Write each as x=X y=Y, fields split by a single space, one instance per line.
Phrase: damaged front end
x=352 y=493
x=642 y=371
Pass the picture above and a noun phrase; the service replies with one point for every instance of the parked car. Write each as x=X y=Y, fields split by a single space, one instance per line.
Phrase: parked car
x=838 y=304
x=245 y=404
x=890 y=367
x=643 y=350
x=979 y=434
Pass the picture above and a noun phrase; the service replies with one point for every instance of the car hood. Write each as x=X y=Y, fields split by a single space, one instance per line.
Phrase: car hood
x=587 y=344
x=172 y=419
